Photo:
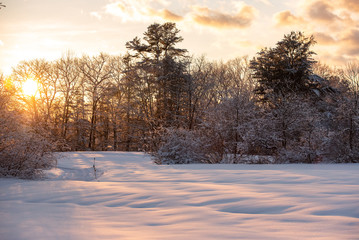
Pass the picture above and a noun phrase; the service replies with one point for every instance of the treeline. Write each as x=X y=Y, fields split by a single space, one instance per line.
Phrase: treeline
x=280 y=106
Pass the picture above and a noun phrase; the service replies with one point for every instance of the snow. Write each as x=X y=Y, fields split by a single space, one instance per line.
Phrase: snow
x=132 y=198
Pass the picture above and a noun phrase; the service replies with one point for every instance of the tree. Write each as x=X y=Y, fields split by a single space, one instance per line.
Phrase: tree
x=351 y=75
x=200 y=90
x=162 y=68
x=294 y=99
x=131 y=104
x=96 y=72
x=115 y=101
x=69 y=81
x=232 y=108
x=285 y=69
x=221 y=103
x=344 y=137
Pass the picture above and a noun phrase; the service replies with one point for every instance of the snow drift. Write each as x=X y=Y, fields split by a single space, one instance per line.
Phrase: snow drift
x=132 y=198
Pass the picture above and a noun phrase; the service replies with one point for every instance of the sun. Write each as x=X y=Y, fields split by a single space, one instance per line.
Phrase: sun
x=30 y=87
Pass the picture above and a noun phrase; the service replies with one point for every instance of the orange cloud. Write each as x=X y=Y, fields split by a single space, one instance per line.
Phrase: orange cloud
x=352 y=5
x=324 y=39
x=334 y=59
x=141 y=10
x=145 y=10
x=286 y=18
x=322 y=11
x=213 y=18
x=350 y=43
x=166 y=14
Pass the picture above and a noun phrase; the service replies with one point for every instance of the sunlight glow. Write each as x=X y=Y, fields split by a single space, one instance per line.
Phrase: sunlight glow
x=30 y=87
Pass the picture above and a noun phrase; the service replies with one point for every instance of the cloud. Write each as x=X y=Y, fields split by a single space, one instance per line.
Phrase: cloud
x=141 y=10
x=340 y=20
x=322 y=11
x=1 y=43
x=350 y=43
x=245 y=43
x=321 y=14
x=266 y=2
x=286 y=18
x=165 y=14
x=324 y=39
x=127 y=11
x=96 y=15
x=208 y=17
x=146 y=10
x=352 y=5
x=334 y=59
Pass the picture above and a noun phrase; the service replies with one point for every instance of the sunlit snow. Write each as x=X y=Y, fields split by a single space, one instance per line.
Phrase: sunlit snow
x=134 y=199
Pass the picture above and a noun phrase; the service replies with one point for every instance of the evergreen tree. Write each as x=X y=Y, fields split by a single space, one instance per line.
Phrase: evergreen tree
x=163 y=67
x=285 y=69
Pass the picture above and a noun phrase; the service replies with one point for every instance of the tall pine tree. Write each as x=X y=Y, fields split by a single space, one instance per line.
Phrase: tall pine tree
x=285 y=69
x=163 y=66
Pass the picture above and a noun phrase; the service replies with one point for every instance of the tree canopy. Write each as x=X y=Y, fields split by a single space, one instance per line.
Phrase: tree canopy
x=285 y=69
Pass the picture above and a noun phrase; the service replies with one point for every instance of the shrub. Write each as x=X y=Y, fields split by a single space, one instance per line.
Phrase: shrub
x=180 y=146
x=23 y=153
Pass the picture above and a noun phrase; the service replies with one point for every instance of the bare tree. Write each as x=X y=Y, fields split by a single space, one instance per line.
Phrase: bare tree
x=44 y=74
x=351 y=111
x=68 y=72
x=96 y=72
x=199 y=90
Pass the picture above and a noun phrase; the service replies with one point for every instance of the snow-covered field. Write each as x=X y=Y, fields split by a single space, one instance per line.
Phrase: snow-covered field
x=135 y=199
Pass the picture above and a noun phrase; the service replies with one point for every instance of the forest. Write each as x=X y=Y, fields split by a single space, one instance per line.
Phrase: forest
x=281 y=106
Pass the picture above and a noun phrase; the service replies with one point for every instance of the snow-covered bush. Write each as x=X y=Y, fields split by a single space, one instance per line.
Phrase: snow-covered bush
x=248 y=159
x=180 y=146
x=338 y=150
x=25 y=156
x=22 y=153
x=298 y=155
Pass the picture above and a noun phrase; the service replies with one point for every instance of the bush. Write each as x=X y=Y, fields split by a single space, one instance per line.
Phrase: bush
x=180 y=146
x=23 y=153
x=255 y=159
x=26 y=157
x=300 y=154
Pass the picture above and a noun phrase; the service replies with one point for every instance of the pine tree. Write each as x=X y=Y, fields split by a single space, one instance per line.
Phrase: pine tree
x=285 y=69
x=163 y=67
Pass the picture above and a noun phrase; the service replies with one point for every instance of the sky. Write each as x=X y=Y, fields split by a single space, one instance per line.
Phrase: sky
x=218 y=29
